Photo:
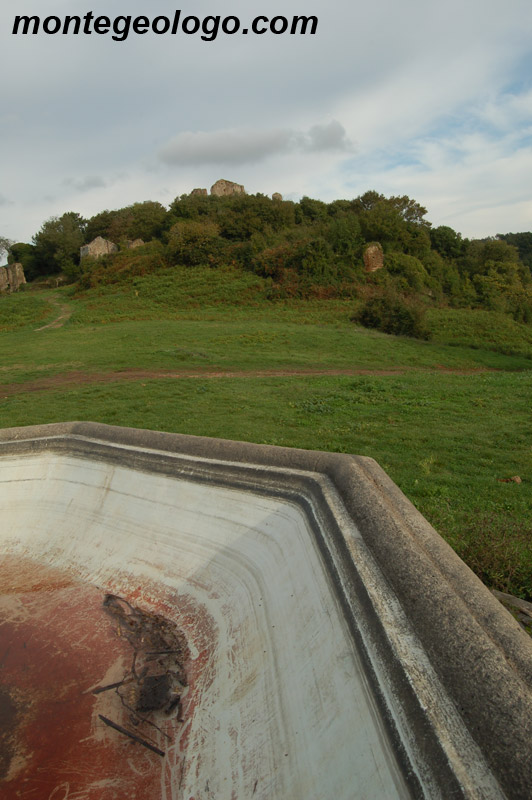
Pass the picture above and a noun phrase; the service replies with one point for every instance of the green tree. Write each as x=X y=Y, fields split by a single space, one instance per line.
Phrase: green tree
x=191 y=243
x=447 y=242
x=145 y=221
x=409 y=269
x=5 y=246
x=24 y=254
x=344 y=235
x=57 y=244
x=309 y=210
x=100 y=225
x=523 y=242
x=481 y=254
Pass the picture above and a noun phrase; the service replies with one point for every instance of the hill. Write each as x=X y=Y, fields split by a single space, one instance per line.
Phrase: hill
x=298 y=250
x=241 y=319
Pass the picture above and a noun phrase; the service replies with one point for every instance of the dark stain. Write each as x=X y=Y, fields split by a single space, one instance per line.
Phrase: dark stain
x=156 y=679
x=8 y=722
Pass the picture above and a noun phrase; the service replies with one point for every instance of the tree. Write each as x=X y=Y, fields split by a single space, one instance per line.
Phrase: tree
x=310 y=210
x=145 y=221
x=447 y=242
x=344 y=235
x=5 y=246
x=482 y=254
x=24 y=254
x=57 y=244
x=192 y=243
x=523 y=242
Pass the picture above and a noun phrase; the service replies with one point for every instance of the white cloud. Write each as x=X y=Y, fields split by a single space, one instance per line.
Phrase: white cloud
x=85 y=184
x=429 y=92
x=241 y=146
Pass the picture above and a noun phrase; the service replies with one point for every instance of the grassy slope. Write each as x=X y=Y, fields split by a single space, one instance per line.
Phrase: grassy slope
x=447 y=439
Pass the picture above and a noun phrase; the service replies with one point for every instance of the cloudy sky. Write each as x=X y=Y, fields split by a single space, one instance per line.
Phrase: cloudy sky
x=433 y=100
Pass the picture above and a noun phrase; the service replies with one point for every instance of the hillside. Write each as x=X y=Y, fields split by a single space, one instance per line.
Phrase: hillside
x=369 y=247
x=240 y=318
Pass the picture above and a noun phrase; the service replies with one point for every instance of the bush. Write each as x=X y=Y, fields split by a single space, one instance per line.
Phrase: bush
x=410 y=269
x=393 y=314
x=192 y=243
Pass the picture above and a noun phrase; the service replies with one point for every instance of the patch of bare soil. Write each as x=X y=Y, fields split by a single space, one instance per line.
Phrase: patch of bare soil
x=65 y=312
x=75 y=378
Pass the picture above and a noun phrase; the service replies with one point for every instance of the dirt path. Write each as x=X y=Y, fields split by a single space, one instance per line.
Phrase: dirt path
x=65 y=312
x=74 y=379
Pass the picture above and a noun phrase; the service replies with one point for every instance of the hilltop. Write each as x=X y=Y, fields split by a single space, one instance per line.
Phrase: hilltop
x=380 y=250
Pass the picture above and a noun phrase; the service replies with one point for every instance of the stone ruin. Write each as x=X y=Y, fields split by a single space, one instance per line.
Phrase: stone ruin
x=102 y=247
x=11 y=278
x=223 y=188
x=373 y=257
x=97 y=248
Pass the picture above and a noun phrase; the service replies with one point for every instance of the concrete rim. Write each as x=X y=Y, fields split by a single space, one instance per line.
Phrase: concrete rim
x=481 y=656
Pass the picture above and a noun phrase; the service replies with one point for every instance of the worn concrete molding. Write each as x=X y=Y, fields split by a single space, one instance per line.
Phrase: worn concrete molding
x=451 y=669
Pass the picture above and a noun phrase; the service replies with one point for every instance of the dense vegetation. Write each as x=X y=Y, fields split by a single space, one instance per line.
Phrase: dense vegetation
x=301 y=250
x=446 y=411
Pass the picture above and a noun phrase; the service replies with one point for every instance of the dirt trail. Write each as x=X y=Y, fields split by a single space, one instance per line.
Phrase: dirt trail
x=65 y=312
x=74 y=379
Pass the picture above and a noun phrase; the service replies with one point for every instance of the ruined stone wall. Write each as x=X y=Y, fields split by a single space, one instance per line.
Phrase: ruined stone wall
x=11 y=277
x=98 y=247
x=373 y=257
x=223 y=188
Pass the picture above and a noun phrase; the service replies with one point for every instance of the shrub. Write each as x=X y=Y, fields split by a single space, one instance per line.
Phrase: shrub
x=409 y=268
x=192 y=243
x=393 y=314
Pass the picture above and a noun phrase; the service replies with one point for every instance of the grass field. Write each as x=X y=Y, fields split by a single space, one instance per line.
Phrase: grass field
x=449 y=419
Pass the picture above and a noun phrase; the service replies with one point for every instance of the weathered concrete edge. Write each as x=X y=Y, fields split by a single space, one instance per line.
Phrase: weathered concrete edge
x=482 y=657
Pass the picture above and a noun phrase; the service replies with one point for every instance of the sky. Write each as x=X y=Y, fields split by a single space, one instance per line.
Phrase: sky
x=431 y=100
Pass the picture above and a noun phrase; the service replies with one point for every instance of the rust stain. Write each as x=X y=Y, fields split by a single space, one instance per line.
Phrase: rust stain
x=59 y=643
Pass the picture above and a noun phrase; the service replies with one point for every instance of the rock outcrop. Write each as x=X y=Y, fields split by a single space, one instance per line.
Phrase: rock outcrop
x=98 y=247
x=277 y=196
x=11 y=277
x=135 y=243
x=373 y=257
x=223 y=188
x=200 y=192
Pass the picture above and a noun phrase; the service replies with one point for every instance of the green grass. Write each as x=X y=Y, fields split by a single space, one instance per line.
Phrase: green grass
x=22 y=310
x=486 y=330
x=448 y=440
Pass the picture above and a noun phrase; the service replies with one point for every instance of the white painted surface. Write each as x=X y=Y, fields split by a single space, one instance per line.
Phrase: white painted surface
x=282 y=708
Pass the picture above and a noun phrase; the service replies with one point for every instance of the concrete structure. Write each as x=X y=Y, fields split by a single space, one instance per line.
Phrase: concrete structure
x=11 y=277
x=336 y=647
x=373 y=257
x=97 y=248
x=223 y=188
